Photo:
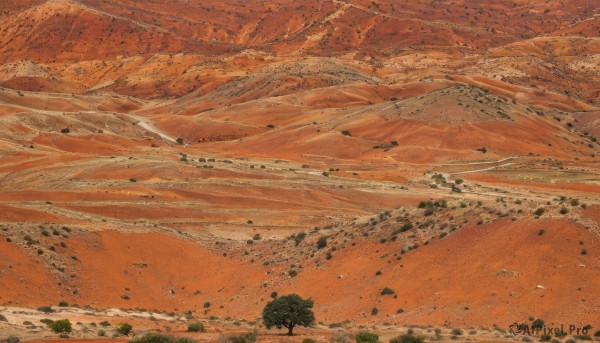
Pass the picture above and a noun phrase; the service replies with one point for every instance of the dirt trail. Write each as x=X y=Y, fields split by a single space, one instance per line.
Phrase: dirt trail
x=148 y=126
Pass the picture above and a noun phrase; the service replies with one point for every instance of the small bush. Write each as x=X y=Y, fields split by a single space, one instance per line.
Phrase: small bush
x=156 y=338
x=249 y=337
x=308 y=340
x=65 y=130
x=457 y=331
x=63 y=304
x=322 y=243
x=387 y=291
x=3 y=318
x=61 y=327
x=45 y=309
x=195 y=327
x=124 y=329
x=101 y=333
x=367 y=337
x=564 y=210
x=539 y=211
x=374 y=311
x=179 y=140
x=346 y=133
x=408 y=339
x=11 y=339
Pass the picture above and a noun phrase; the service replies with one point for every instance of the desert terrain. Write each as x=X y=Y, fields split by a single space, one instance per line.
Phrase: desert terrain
x=169 y=162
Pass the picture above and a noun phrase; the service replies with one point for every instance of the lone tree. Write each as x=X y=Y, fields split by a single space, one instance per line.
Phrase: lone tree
x=288 y=311
x=61 y=327
x=124 y=329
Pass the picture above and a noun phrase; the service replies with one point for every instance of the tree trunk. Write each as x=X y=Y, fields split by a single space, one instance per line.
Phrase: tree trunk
x=290 y=329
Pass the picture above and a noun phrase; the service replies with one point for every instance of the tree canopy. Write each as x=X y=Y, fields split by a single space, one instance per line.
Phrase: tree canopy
x=288 y=311
x=61 y=327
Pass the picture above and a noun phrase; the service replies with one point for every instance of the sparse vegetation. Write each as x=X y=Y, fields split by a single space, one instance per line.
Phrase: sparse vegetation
x=408 y=339
x=61 y=327
x=124 y=329
x=387 y=291
x=457 y=331
x=366 y=337
x=195 y=327
x=322 y=243
x=156 y=338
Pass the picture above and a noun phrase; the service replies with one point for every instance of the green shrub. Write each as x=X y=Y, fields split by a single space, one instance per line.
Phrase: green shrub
x=367 y=337
x=346 y=133
x=583 y=337
x=322 y=243
x=374 y=311
x=45 y=309
x=61 y=327
x=101 y=333
x=11 y=339
x=249 y=337
x=124 y=329
x=387 y=291
x=63 y=304
x=308 y=340
x=408 y=339
x=3 y=318
x=104 y=323
x=195 y=327
x=457 y=331
x=156 y=338
x=539 y=211
x=597 y=333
